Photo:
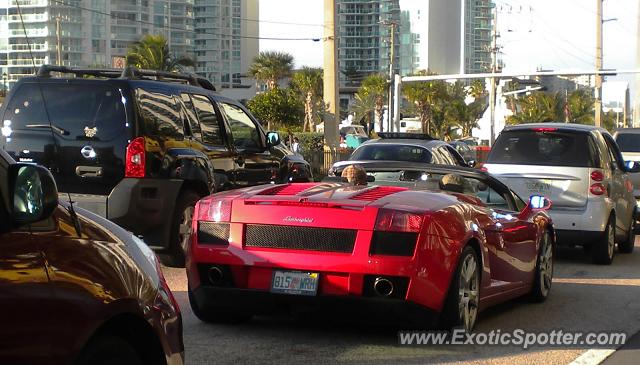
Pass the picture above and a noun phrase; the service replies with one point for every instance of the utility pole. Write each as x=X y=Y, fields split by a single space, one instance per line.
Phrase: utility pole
x=392 y=53
x=492 y=80
x=59 y=51
x=331 y=96
x=598 y=78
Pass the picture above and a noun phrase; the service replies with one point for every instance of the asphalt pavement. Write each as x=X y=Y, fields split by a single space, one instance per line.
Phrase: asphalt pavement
x=584 y=297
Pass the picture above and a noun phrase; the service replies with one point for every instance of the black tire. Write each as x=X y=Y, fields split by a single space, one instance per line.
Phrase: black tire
x=627 y=245
x=603 y=250
x=454 y=314
x=544 y=270
x=182 y=213
x=109 y=350
x=215 y=315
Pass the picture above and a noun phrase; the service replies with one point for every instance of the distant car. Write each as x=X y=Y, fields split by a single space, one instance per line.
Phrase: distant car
x=628 y=140
x=580 y=168
x=141 y=147
x=421 y=242
x=353 y=135
x=405 y=147
x=467 y=152
x=74 y=287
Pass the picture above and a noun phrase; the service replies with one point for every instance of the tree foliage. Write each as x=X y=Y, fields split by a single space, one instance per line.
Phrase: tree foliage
x=152 y=53
x=277 y=106
x=270 y=67
x=540 y=107
x=309 y=82
x=374 y=88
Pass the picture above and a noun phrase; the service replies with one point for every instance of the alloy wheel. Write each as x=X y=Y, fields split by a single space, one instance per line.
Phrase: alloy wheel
x=468 y=292
x=185 y=227
x=546 y=265
x=611 y=240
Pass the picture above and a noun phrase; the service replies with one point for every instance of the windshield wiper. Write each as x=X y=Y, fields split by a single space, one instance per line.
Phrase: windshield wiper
x=55 y=128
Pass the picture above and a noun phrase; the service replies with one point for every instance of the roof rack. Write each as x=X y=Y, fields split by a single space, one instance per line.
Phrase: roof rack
x=128 y=73
x=398 y=135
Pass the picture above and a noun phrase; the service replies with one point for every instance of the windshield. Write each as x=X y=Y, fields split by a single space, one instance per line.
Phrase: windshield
x=628 y=142
x=528 y=147
x=392 y=152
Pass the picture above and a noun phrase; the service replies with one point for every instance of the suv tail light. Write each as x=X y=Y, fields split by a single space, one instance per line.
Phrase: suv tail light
x=597 y=175
x=135 y=158
x=214 y=210
x=544 y=129
x=598 y=189
x=390 y=220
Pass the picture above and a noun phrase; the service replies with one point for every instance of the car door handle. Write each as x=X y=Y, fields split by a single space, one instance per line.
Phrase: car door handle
x=89 y=171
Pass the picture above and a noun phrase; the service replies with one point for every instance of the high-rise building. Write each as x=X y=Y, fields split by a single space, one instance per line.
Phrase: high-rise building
x=226 y=42
x=221 y=34
x=476 y=47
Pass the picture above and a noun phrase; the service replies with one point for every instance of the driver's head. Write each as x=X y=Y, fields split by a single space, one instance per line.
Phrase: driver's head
x=452 y=182
x=355 y=174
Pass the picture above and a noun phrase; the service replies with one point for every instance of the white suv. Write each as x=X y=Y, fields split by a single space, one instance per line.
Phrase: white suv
x=580 y=168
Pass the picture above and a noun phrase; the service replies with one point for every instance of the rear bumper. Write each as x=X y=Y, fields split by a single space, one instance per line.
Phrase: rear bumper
x=382 y=310
x=142 y=206
x=591 y=218
x=145 y=207
x=571 y=237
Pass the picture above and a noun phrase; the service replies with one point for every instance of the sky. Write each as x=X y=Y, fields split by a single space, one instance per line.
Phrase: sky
x=546 y=34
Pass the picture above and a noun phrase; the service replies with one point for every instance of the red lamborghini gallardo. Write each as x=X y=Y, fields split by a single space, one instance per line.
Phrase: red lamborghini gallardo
x=419 y=241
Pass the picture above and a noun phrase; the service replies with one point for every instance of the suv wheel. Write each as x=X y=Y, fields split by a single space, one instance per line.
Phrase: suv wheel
x=627 y=245
x=603 y=250
x=181 y=229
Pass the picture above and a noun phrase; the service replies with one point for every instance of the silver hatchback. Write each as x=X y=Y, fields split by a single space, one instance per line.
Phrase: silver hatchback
x=580 y=168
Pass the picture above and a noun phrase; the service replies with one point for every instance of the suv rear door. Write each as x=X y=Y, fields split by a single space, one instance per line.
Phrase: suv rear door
x=546 y=161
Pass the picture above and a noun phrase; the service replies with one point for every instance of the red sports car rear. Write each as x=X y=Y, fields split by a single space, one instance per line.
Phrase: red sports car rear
x=278 y=247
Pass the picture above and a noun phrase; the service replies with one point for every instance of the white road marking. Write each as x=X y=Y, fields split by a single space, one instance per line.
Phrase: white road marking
x=593 y=357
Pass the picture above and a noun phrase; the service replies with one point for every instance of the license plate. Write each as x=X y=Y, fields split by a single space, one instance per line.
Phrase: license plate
x=539 y=187
x=294 y=282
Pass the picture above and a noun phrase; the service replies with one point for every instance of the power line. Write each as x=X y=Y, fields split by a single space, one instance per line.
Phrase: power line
x=113 y=16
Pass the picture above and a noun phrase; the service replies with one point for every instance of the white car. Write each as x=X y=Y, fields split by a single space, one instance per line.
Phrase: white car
x=581 y=170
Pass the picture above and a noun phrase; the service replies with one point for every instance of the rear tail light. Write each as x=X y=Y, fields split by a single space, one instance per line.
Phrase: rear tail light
x=544 y=129
x=390 y=220
x=214 y=210
x=135 y=158
x=598 y=189
x=597 y=175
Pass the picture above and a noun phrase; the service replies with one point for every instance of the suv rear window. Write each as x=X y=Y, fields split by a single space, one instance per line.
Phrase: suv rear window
x=71 y=108
x=529 y=147
x=628 y=142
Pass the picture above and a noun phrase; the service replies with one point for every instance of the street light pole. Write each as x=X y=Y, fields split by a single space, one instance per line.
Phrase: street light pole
x=492 y=80
x=598 y=86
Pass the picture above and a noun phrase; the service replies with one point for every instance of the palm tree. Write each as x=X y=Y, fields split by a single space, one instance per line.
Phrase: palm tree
x=309 y=82
x=424 y=95
x=152 y=53
x=580 y=104
x=363 y=106
x=270 y=67
x=537 y=107
x=375 y=86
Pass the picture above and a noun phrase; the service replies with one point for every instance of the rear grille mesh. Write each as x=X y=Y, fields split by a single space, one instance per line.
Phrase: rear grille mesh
x=213 y=233
x=300 y=238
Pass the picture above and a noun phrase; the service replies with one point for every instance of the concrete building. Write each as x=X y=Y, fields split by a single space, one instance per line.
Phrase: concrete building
x=88 y=36
x=219 y=33
x=226 y=42
x=476 y=41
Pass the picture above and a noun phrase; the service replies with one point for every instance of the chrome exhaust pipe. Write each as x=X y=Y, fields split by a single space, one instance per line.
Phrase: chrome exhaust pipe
x=215 y=275
x=383 y=287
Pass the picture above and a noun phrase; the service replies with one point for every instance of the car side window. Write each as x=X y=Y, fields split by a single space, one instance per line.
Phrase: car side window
x=455 y=156
x=614 y=153
x=160 y=114
x=447 y=158
x=491 y=197
x=209 y=121
x=244 y=131
x=192 y=118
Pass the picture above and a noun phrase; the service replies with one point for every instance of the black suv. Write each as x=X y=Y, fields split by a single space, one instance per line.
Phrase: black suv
x=141 y=147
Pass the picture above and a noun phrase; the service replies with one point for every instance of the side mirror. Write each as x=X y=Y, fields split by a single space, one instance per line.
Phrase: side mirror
x=536 y=203
x=33 y=193
x=273 y=139
x=472 y=163
x=632 y=166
